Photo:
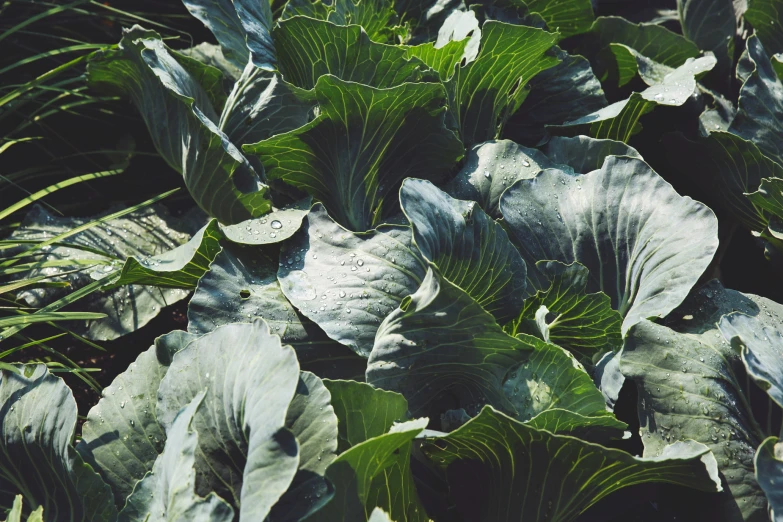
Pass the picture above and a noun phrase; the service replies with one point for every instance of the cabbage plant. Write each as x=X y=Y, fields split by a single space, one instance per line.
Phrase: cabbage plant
x=425 y=256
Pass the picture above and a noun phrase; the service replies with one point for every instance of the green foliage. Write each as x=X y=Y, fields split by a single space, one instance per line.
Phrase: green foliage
x=420 y=248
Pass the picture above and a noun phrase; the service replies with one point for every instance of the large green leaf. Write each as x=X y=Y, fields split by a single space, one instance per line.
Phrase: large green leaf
x=121 y=437
x=241 y=286
x=711 y=25
x=347 y=283
x=761 y=345
x=565 y=92
x=490 y=168
x=766 y=16
x=309 y=8
x=377 y=17
x=510 y=11
x=566 y=315
x=692 y=385
x=38 y=420
x=728 y=167
x=167 y=493
x=769 y=472
x=376 y=473
x=584 y=154
x=500 y=469
x=183 y=124
x=551 y=391
x=620 y=120
x=261 y=105
x=180 y=267
x=365 y=413
x=486 y=92
x=625 y=224
x=99 y=252
x=466 y=246
x=356 y=174
x=309 y=49
x=442 y=351
x=245 y=453
x=760 y=105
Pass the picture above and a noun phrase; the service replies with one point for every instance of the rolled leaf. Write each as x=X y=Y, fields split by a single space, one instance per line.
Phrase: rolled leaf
x=178 y=268
x=183 y=125
x=761 y=344
x=221 y=18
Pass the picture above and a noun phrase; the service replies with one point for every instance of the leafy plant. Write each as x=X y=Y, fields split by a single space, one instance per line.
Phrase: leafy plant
x=422 y=248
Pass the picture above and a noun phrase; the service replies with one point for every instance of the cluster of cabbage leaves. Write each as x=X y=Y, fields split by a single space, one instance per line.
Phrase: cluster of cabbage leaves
x=430 y=261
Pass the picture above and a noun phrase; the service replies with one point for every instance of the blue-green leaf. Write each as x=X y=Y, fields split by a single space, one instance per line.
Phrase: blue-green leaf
x=167 y=493
x=624 y=223
x=466 y=246
x=346 y=282
x=501 y=469
x=183 y=125
x=37 y=458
